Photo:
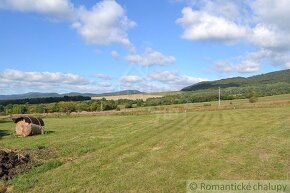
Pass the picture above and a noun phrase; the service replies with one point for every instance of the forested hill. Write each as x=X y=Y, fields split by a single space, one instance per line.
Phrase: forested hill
x=282 y=76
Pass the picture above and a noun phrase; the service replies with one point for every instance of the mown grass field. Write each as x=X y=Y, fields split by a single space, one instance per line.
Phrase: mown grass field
x=157 y=152
x=129 y=97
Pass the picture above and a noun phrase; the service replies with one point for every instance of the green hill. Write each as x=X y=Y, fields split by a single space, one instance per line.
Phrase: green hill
x=282 y=76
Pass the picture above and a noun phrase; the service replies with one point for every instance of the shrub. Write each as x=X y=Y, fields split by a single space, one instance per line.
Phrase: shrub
x=253 y=99
x=128 y=105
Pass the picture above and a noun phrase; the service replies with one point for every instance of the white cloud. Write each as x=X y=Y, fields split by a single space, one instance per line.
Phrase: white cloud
x=224 y=66
x=104 y=84
x=16 y=81
x=272 y=12
x=230 y=10
x=104 y=24
x=150 y=57
x=131 y=79
x=103 y=76
x=252 y=61
x=42 y=77
x=261 y=23
x=270 y=38
x=90 y=89
x=115 y=55
x=174 y=79
x=281 y=58
x=158 y=81
x=247 y=64
x=55 y=8
x=200 y=25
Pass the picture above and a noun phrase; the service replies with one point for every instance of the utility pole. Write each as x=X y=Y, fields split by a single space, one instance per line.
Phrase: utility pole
x=219 y=96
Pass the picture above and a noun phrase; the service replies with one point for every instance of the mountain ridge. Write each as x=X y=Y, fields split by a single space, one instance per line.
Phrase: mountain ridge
x=30 y=95
x=282 y=76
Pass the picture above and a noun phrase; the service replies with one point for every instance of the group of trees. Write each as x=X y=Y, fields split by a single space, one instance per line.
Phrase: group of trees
x=45 y=100
x=67 y=105
x=63 y=106
x=231 y=93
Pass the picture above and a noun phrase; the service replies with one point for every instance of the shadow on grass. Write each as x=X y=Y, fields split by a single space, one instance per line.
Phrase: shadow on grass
x=4 y=133
x=49 y=132
x=5 y=121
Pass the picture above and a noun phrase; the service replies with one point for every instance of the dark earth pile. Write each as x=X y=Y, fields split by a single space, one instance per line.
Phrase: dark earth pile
x=11 y=164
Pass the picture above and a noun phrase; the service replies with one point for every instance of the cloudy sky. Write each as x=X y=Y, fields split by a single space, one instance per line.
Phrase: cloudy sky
x=102 y=46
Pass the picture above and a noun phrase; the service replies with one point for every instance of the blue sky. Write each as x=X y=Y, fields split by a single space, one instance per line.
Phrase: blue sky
x=103 y=46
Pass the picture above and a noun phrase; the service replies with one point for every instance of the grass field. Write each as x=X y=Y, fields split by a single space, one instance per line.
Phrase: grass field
x=158 y=152
x=129 y=97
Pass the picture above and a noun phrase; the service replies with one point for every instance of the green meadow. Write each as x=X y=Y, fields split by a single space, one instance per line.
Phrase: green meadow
x=157 y=151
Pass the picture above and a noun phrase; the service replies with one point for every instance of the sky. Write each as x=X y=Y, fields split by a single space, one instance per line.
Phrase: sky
x=102 y=46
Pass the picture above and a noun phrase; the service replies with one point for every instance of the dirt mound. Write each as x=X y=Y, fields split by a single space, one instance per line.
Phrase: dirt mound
x=11 y=163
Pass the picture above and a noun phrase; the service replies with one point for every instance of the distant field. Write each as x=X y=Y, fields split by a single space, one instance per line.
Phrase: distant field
x=130 y=97
x=159 y=152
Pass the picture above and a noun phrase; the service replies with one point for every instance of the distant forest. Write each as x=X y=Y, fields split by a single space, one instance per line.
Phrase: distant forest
x=44 y=100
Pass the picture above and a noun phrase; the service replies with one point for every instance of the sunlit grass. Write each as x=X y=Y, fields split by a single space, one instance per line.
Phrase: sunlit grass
x=156 y=152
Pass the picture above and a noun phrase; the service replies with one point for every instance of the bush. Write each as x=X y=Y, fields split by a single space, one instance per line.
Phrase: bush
x=253 y=99
x=128 y=105
x=118 y=109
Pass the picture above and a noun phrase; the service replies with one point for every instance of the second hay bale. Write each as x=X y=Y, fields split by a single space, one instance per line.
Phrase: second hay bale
x=27 y=125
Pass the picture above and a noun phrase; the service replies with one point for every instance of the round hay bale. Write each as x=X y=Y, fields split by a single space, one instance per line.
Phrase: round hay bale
x=28 y=125
x=23 y=128
x=36 y=129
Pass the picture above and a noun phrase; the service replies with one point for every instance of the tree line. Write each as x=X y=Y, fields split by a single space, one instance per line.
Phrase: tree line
x=44 y=100
x=69 y=105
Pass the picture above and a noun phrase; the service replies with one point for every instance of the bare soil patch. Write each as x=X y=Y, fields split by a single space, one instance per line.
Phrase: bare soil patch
x=12 y=163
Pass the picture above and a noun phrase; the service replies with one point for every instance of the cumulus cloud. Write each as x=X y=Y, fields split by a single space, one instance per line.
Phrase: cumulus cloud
x=16 y=81
x=246 y=66
x=174 y=79
x=104 y=84
x=158 y=81
x=200 y=25
x=131 y=79
x=55 y=8
x=104 y=24
x=42 y=77
x=272 y=12
x=261 y=23
x=103 y=76
x=270 y=37
x=251 y=62
x=150 y=57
